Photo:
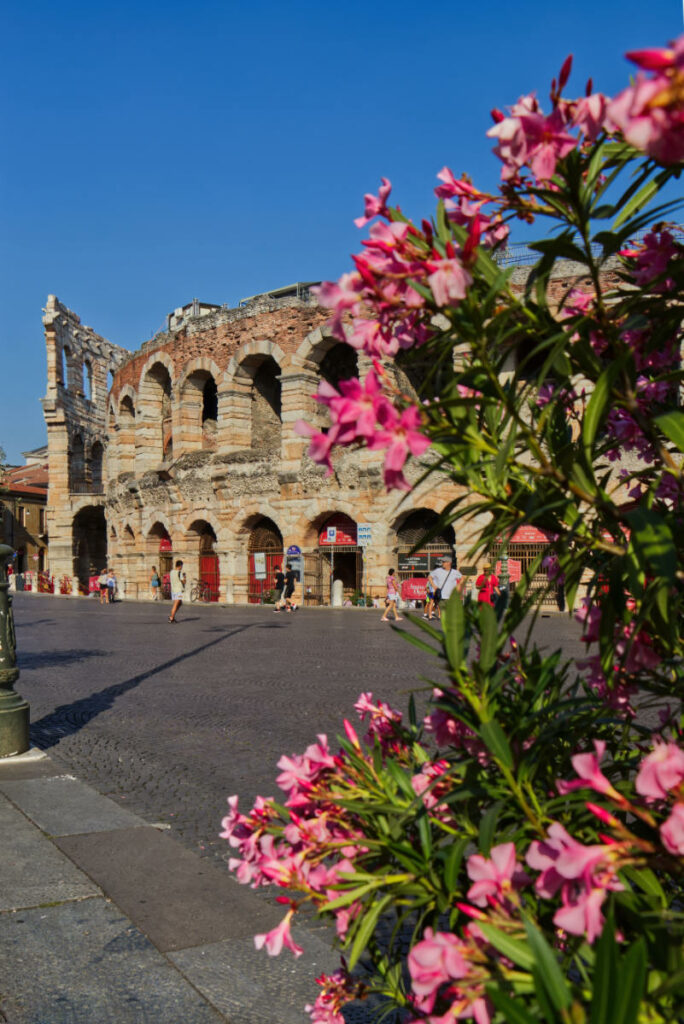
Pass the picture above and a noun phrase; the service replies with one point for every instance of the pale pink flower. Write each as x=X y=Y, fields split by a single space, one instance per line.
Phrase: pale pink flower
x=495 y=877
x=650 y=113
x=661 y=771
x=375 y=206
x=529 y=138
x=278 y=937
x=590 y=775
x=401 y=436
x=449 y=281
x=437 y=958
x=672 y=832
x=589 y=115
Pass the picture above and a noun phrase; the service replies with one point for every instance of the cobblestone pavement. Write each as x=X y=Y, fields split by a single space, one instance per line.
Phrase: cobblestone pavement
x=169 y=720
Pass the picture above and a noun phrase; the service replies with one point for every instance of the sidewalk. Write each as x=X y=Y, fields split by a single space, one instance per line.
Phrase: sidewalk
x=105 y=919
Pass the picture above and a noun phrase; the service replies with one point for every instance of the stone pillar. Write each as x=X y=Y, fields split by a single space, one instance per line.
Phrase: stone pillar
x=297 y=403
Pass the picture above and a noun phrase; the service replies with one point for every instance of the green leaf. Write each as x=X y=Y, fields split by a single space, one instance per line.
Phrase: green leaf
x=488 y=827
x=630 y=990
x=605 y=974
x=488 y=637
x=598 y=403
x=366 y=928
x=496 y=742
x=452 y=863
x=636 y=203
x=653 y=542
x=647 y=881
x=453 y=623
x=515 y=949
x=513 y=1010
x=672 y=425
x=549 y=969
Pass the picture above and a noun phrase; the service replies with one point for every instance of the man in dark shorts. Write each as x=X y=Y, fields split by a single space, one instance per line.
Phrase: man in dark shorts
x=279 y=586
x=290 y=581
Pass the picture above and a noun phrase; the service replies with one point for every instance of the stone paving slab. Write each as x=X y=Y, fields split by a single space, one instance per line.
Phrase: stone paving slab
x=248 y=986
x=84 y=963
x=32 y=870
x=175 y=897
x=63 y=806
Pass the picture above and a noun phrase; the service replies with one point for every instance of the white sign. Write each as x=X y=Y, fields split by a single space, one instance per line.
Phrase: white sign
x=331 y=534
x=259 y=565
x=364 y=534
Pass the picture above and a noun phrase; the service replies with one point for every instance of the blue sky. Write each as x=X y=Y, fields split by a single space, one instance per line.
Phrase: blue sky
x=159 y=152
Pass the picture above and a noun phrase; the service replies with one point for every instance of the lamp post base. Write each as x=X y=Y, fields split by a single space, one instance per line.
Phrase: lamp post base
x=14 y=726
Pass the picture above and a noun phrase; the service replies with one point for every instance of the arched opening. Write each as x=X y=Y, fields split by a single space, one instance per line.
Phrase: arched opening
x=339 y=559
x=207 y=558
x=340 y=362
x=110 y=381
x=89 y=544
x=264 y=551
x=126 y=435
x=159 y=551
x=199 y=411
x=156 y=392
x=96 y=459
x=87 y=381
x=419 y=375
x=64 y=366
x=414 y=528
x=77 y=477
x=266 y=406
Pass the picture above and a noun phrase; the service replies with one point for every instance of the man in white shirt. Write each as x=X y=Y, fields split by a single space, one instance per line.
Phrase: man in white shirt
x=446 y=579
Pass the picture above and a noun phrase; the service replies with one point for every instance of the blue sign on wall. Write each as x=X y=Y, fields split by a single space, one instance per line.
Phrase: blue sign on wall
x=294 y=550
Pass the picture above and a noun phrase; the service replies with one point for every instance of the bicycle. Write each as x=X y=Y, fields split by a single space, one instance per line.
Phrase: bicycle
x=200 y=591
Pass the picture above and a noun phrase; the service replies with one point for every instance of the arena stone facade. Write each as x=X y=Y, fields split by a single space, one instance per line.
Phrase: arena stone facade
x=191 y=453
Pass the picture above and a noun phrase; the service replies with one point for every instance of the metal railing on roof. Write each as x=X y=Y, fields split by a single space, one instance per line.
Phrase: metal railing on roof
x=519 y=254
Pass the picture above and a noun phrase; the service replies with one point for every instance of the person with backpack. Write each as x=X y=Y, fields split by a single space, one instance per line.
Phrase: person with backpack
x=445 y=579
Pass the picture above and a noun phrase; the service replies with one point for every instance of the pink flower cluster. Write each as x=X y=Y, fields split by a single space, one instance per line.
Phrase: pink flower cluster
x=649 y=261
x=339 y=988
x=447 y=968
x=382 y=720
x=650 y=113
x=661 y=776
x=362 y=412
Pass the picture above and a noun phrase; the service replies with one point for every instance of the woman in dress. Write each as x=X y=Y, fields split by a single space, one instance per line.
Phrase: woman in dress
x=391 y=598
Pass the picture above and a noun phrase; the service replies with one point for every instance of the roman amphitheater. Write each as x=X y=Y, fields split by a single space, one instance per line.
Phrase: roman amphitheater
x=187 y=449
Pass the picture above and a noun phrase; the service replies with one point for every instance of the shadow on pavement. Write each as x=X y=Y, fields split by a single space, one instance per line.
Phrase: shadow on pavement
x=27 y=660
x=69 y=718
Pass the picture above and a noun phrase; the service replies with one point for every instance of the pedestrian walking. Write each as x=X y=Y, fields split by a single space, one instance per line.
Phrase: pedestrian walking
x=102 y=584
x=177 y=581
x=429 y=612
x=155 y=583
x=288 y=592
x=111 y=586
x=445 y=579
x=487 y=584
x=279 y=587
x=391 y=597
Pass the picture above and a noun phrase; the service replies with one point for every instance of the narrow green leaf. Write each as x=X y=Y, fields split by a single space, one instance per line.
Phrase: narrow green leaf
x=632 y=982
x=495 y=740
x=488 y=827
x=453 y=623
x=366 y=928
x=488 y=636
x=453 y=861
x=549 y=969
x=672 y=425
x=598 y=403
x=515 y=949
x=605 y=975
x=653 y=542
x=647 y=881
x=636 y=203
x=512 y=1010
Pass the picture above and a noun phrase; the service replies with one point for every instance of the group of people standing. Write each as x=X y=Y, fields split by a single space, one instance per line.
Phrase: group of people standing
x=440 y=585
x=106 y=582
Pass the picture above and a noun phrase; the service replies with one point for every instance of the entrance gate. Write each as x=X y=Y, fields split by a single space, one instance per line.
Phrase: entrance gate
x=265 y=539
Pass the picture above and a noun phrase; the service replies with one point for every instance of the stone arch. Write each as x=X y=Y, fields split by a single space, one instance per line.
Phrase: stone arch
x=126 y=432
x=262 y=542
x=89 y=543
x=154 y=436
x=418 y=556
x=198 y=404
x=77 y=464
x=333 y=569
x=95 y=467
x=316 y=344
x=64 y=359
x=252 y=387
x=87 y=379
x=158 y=545
x=201 y=542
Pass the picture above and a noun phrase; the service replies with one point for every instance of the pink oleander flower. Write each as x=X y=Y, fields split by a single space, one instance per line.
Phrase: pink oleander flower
x=439 y=957
x=449 y=281
x=400 y=434
x=339 y=988
x=495 y=877
x=278 y=937
x=589 y=115
x=650 y=113
x=590 y=775
x=356 y=408
x=651 y=260
x=661 y=771
x=583 y=874
x=672 y=832
x=375 y=206
x=529 y=138
x=381 y=718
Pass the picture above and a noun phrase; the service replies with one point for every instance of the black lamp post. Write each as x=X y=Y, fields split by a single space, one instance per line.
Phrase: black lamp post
x=14 y=711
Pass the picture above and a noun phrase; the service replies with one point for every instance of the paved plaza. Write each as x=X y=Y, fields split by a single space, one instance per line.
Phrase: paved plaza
x=113 y=837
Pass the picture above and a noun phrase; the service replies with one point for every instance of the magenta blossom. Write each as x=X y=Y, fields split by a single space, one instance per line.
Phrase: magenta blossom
x=401 y=437
x=375 y=206
x=278 y=937
x=672 y=832
x=590 y=775
x=437 y=958
x=497 y=877
x=661 y=771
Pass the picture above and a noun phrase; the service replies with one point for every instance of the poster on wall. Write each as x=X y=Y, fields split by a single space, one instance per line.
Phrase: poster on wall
x=259 y=565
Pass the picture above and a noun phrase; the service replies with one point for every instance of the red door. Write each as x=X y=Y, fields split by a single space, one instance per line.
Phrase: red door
x=209 y=574
x=260 y=589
